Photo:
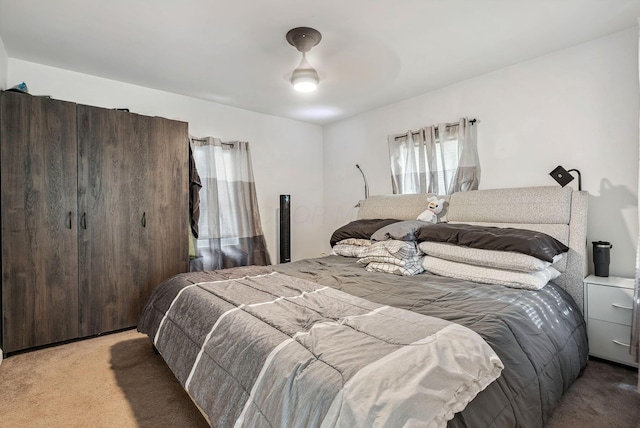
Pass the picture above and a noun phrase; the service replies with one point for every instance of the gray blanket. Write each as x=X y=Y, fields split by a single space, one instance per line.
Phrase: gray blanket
x=283 y=351
x=538 y=335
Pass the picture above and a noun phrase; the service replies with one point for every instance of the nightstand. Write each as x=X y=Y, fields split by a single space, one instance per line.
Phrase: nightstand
x=608 y=304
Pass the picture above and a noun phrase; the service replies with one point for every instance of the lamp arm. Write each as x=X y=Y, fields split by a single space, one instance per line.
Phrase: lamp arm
x=366 y=186
x=579 y=178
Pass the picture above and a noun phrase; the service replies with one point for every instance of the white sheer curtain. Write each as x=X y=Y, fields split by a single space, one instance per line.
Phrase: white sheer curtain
x=230 y=232
x=440 y=159
x=635 y=325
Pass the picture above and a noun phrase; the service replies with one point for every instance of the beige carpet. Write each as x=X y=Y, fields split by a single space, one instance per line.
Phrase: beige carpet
x=117 y=381
x=110 y=381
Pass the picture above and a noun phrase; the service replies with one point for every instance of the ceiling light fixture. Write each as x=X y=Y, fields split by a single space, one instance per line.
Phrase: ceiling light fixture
x=304 y=78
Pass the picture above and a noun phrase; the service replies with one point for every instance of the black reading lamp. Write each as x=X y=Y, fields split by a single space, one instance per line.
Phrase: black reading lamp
x=563 y=177
x=366 y=186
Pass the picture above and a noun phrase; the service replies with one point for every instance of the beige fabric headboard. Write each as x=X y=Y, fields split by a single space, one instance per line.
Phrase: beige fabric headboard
x=402 y=207
x=557 y=211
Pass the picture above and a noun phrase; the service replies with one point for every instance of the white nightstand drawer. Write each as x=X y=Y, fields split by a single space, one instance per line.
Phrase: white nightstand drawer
x=610 y=304
x=607 y=340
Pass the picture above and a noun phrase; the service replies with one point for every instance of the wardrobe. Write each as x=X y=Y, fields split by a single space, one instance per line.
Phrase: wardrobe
x=94 y=215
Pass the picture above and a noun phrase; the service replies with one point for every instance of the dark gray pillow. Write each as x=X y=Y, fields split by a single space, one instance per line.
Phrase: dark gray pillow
x=360 y=229
x=525 y=241
x=400 y=231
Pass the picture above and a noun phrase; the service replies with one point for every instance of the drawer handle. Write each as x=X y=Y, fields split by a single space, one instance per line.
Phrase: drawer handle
x=617 y=342
x=615 y=305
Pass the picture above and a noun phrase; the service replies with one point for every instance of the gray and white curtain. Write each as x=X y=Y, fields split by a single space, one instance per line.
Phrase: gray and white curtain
x=229 y=229
x=440 y=159
x=635 y=324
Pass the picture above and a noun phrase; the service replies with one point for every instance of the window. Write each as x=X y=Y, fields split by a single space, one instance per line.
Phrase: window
x=437 y=159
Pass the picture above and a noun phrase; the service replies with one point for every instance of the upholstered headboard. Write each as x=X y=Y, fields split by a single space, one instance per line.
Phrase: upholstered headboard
x=557 y=211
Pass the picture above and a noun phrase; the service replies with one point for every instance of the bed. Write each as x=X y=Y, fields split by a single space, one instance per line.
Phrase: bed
x=330 y=342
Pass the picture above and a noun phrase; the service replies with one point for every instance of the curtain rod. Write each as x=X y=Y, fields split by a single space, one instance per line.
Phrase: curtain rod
x=471 y=121
x=204 y=140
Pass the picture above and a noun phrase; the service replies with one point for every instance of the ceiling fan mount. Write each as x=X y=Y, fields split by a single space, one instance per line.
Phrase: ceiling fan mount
x=303 y=38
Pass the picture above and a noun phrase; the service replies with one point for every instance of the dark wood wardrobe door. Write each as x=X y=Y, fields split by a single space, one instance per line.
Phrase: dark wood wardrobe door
x=112 y=173
x=167 y=203
x=39 y=235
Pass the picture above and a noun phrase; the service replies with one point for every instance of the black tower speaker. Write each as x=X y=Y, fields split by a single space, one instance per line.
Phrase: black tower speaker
x=285 y=228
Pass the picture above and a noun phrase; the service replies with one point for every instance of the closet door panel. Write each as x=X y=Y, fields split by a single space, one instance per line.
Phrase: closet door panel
x=142 y=143
x=39 y=235
x=112 y=170
x=167 y=198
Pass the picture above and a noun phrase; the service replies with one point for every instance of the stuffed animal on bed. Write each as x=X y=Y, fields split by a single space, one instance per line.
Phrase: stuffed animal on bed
x=434 y=208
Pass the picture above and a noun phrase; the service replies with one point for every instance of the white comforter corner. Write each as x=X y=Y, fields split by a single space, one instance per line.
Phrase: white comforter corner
x=433 y=378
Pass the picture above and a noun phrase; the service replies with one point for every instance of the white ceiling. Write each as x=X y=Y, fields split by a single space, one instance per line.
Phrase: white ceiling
x=234 y=52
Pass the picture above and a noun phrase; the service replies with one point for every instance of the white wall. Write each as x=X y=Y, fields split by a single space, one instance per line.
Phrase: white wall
x=4 y=66
x=286 y=154
x=576 y=107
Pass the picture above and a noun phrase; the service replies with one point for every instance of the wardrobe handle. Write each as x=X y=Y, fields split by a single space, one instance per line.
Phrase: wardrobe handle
x=144 y=219
x=616 y=305
x=617 y=342
x=84 y=220
x=69 y=218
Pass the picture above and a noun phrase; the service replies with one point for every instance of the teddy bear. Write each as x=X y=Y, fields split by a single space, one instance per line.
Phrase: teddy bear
x=434 y=207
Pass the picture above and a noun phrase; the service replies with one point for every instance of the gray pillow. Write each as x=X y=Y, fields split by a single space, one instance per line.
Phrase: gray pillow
x=401 y=231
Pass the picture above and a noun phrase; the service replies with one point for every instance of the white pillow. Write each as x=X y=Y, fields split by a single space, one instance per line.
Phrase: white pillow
x=485 y=275
x=359 y=242
x=351 y=247
x=489 y=258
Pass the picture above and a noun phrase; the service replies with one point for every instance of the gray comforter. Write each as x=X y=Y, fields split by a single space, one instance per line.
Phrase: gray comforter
x=538 y=335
